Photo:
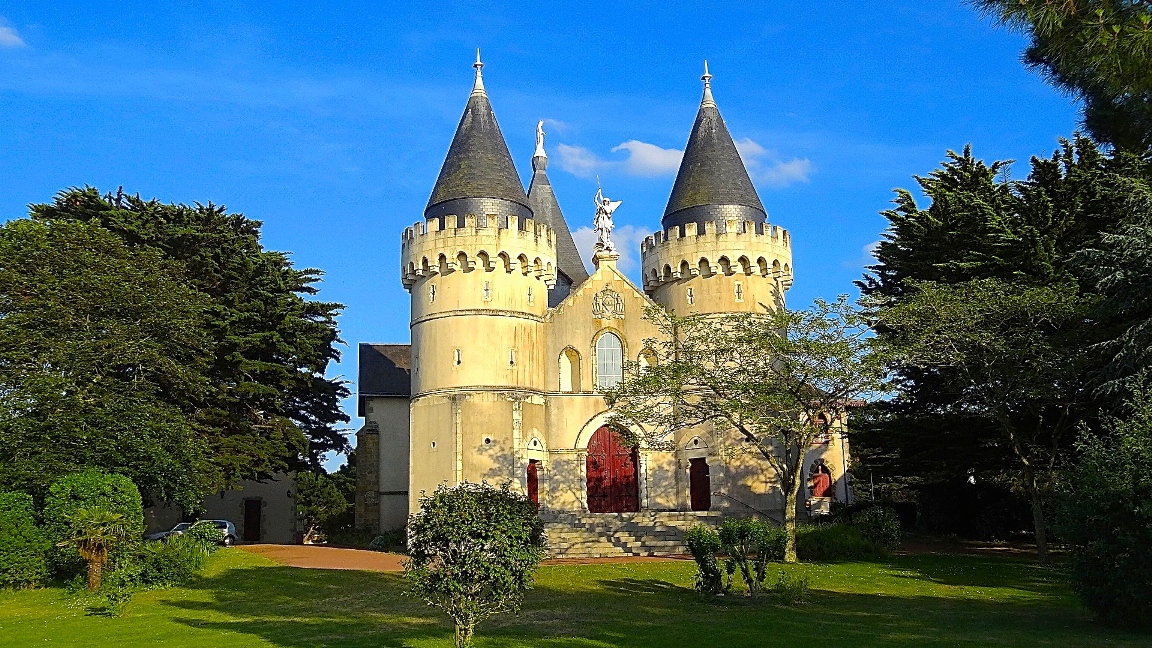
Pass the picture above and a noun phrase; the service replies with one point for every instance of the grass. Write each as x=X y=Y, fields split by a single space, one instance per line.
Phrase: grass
x=927 y=600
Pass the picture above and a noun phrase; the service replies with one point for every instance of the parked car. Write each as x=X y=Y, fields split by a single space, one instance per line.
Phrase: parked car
x=226 y=527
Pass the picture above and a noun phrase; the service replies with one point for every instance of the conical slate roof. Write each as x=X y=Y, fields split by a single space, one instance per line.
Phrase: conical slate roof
x=478 y=175
x=712 y=183
x=546 y=209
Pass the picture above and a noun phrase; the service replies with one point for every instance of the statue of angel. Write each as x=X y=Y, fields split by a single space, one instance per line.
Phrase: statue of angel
x=603 y=223
x=540 y=139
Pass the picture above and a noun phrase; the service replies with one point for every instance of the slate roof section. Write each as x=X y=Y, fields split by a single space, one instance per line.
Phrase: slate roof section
x=478 y=164
x=546 y=208
x=711 y=175
x=385 y=370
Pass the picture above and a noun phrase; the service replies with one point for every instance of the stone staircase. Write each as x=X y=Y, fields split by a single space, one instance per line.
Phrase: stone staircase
x=643 y=533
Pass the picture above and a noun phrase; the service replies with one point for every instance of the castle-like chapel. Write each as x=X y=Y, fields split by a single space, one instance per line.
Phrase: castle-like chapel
x=513 y=342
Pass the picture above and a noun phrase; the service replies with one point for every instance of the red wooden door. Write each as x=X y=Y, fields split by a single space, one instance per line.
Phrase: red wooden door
x=699 y=484
x=613 y=485
x=533 y=482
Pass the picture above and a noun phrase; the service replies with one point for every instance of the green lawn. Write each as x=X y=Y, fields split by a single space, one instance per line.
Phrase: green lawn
x=246 y=600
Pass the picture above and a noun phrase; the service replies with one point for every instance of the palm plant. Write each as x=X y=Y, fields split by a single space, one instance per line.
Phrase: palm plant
x=94 y=531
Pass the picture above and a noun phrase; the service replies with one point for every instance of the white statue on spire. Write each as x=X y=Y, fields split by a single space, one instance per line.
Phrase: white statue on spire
x=540 y=140
x=603 y=223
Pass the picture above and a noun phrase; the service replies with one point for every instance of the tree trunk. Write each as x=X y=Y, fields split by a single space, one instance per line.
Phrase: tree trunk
x=464 y=633
x=790 y=493
x=95 y=566
x=1038 y=522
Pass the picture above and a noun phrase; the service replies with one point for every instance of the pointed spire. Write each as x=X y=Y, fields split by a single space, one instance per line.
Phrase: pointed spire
x=712 y=183
x=478 y=176
x=478 y=84
x=707 y=79
x=545 y=207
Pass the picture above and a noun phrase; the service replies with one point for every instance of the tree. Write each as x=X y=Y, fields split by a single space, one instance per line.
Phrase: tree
x=1012 y=355
x=1098 y=50
x=772 y=377
x=317 y=501
x=473 y=549
x=1104 y=511
x=103 y=354
x=268 y=406
x=94 y=532
x=982 y=224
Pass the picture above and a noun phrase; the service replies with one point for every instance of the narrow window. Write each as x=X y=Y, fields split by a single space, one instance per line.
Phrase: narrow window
x=569 y=370
x=511 y=357
x=431 y=293
x=691 y=297
x=487 y=291
x=609 y=361
x=529 y=294
x=457 y=356
x=739 y=292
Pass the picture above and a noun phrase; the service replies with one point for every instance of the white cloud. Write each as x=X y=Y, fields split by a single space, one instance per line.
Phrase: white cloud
x=867 y=256
x=765 y=166
x=644 y=160
x=578 y=160
x=627 y=239
x=649 y=160
x=10 y=38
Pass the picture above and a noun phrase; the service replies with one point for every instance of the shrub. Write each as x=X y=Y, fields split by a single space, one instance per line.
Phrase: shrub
x=23 y=546
x=394 y=540
x=473 y=551
x=90 y=489
x=832 y=542
x=206 y=535
x=790 y=590
x=1105 y=514
x=880 y=526
x=317 y=500
x=704 y=543
x=749 y=544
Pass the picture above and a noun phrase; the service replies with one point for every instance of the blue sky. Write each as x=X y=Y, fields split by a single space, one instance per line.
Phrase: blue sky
x=329 y=123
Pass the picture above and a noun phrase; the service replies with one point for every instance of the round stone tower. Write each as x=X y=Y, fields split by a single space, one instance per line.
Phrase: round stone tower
x=716 y=252
x=478 y=269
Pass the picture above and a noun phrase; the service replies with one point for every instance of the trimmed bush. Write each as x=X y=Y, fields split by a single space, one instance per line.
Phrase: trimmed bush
x=90 y=489
x=394 y=540
x=749 y=544
x=832 y=542
x=704 y=543
x=206 y=535
x=23 y=546
x=879 y=525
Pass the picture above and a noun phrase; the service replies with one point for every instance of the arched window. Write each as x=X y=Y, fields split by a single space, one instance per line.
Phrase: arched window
x=569 y=370
x=609 y=361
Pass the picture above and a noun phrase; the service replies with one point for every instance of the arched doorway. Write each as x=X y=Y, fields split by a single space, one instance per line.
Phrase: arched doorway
x=612 y=474
x=699 y=484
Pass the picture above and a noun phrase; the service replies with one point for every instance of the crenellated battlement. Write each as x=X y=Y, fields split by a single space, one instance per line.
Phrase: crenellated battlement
x=487 y=243
x=726 y=248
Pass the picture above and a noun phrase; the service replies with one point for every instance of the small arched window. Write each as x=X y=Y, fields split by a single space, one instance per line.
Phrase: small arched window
x=609 y=361
x=569 y=370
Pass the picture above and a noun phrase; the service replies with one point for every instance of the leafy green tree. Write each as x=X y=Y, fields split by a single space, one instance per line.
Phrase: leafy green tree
x=23 y=546
x=1011 y=352
x=318 y=500
x=1104 y=511
x=1098 y=50
x=268 y=406
x=1121 y=268
x=94 y=532
x=103 y=350
x=473 y=550
x=982 y=224
x=769 y=376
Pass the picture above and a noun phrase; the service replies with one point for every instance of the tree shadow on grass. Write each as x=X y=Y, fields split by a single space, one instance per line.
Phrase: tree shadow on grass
x=980 y=571
x=293 y=608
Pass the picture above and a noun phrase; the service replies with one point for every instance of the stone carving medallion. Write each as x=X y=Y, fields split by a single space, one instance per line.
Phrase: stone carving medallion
x=607 y=304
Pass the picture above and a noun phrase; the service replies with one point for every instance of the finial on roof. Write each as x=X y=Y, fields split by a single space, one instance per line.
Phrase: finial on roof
x=478 y=86
x=707 y=79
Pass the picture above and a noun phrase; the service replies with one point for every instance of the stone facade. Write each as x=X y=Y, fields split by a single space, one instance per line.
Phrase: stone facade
x=503 y=387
